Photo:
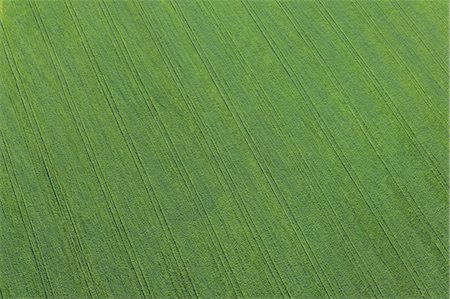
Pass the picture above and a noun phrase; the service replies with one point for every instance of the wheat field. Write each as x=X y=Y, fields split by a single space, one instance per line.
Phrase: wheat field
x=223 y=149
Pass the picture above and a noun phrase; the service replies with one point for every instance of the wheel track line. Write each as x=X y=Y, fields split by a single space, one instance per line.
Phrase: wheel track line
x=382 y=91
x=432 y=77
x=419 y=34
x=272 y=108
x=344 y=161
x=394 y=109
x=218 y=160
x=245 y=67
x=282 y=282
x=123 y=132
x=366 y=131
x=438 y=16
x=119 y=224
x=131 y=254
x=344 y=235
x=244 y=131
x=35 y=250
x=144 y=94
x=151 y=193
x=153 y=111
x=58 y=71
x=191 y=106
x=189 y=183
x=46 y=162
x=398 y=59
x=176 y=78
x=31 y=116
x=381 y=220
x=55 y=186
x=179 y=83
x=270 y=43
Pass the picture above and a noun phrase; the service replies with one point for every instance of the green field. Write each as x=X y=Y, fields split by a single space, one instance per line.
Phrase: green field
x=220 y=149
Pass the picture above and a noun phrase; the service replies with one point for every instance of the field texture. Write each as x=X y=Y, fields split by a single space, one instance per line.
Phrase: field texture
x=258 y=149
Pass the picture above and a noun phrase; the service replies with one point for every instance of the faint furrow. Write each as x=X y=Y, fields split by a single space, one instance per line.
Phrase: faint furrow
x=76 y=240
x=338 y=151
x=180 y=169
x=29 y=229
x=121 y=228
x=199 y=123
x=149 y=189
x=190 y=185
x=31 y=116
x=250 y=142
x=423 y=219
x=263 y=95
x=438 y=15
x=204 y=130
x=383 y=93
x=344 y=235
x=145 y=95
x=270 y=43
x=416 y=30
x=348 y=168
x=426 y=66
x=41 y=146
x=400 y=61
x=364 y=128
x=271 y=109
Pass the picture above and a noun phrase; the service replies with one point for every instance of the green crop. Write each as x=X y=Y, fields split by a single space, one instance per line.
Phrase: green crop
x=216 y=149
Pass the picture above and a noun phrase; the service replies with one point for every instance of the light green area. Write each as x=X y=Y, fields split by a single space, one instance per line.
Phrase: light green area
x=224 y=149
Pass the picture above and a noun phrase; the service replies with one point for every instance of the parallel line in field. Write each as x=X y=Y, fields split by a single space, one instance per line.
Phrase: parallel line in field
x=368 y=135
x=256 y=86
x=164 y=132
x=183 y=172
x=400 y=61
x=186 y=25
x=382 y=92
x=141 y=169
x=202 y=73
x=419 y=34
x=432 y=75
x=34 y=125
x=24 y=214
x=202 y=128
x=77 y=246
x=339 y=152
x=317 y=53
x=134 y=153
x=249 y=140
x=301 y=90
x=437 y=14
x=200 y=125
x=342 y=232
x=107 y=95
x=133 y=256
x=224 y=34
x=381 y=220
x=342 y=157
x=145 y=95
x=153 y=110
x=183 y=91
